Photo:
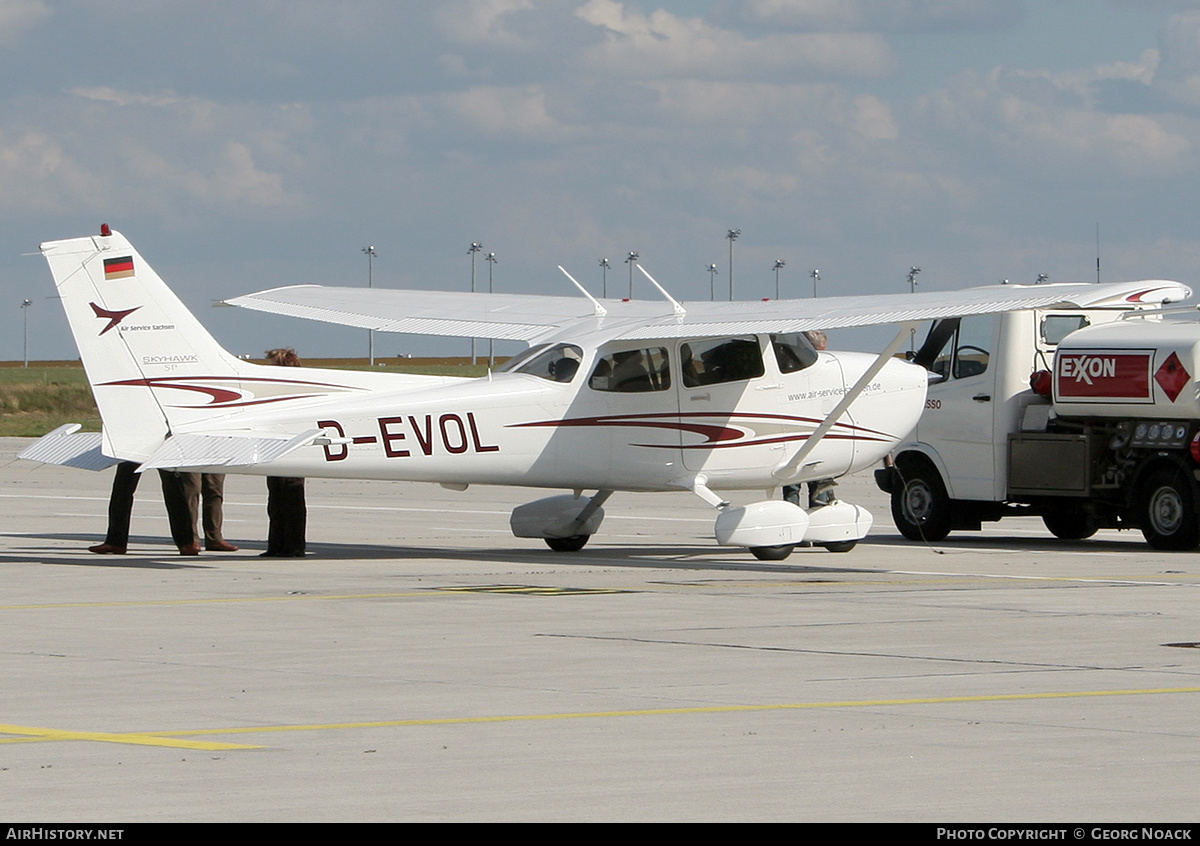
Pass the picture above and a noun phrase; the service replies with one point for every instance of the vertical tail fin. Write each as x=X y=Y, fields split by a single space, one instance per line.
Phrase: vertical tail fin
x=151 y=365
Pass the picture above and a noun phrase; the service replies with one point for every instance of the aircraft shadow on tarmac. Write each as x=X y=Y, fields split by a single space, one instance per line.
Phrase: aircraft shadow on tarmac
x=143 y=554
x=699 y=557
x=967 y=541
x=647 y=556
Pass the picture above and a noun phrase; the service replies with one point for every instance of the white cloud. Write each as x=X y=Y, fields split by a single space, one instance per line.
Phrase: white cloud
x=19 y=16
x=481 y=21
x=662 y=44
x=39 y=176
x=1045 y=123
x=1178 y=74
x=127 y=98
x=503 y=112
x=106 y=149
x=879 y=15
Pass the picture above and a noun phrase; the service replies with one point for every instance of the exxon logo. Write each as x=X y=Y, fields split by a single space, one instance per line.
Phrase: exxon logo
x=1085 y=368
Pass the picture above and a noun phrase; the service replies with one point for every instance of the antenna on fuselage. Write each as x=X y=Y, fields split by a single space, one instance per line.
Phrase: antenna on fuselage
x=601 y=311
x=679 y=310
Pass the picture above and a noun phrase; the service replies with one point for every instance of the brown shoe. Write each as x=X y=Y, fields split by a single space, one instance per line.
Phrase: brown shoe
x=220 y=546
x=107 y=549
x=190 y=549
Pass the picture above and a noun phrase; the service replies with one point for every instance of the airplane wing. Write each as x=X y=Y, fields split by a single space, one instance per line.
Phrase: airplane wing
x=510 y=317
x=529 y=317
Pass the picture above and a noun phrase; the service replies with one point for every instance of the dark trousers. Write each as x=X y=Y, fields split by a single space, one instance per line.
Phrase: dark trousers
x=181 y=495
x=120 y=503
x=208 y=488
x=179 y=514
x=287 y=516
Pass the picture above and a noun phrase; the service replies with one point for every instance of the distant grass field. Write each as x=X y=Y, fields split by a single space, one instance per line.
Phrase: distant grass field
x=36 y=399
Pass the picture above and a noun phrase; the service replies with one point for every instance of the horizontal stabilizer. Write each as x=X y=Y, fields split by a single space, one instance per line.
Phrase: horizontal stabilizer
x=69 y=447
x=186 y=452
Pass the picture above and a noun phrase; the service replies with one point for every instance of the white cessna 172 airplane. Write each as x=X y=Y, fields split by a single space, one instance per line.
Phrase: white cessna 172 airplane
x=611 y=395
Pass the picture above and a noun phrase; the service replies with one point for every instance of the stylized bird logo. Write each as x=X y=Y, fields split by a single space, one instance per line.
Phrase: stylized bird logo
x=113 y=317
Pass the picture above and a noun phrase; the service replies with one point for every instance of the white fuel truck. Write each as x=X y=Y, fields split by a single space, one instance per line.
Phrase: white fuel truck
x=1087 y=418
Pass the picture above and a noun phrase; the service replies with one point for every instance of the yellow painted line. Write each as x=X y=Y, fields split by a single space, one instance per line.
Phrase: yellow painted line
x=152 y=602
x=169 y=738
x=708 y=709
x=135 y=738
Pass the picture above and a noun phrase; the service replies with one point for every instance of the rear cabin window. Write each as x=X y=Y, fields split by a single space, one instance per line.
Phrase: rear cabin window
x=632 y=371
x=720 y=360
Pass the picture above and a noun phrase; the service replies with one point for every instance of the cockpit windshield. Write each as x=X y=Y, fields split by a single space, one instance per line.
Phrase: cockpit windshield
x=557 y=363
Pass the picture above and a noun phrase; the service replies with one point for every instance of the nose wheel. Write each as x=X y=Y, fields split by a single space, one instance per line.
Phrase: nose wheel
x=571 y=544
x=772 y=553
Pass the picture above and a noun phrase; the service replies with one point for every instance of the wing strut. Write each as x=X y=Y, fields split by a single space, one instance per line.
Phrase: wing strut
x=679 y=310
x=787 y=468
x=601 y=311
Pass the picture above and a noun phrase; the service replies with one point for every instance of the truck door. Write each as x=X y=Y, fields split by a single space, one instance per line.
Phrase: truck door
x=959 y=409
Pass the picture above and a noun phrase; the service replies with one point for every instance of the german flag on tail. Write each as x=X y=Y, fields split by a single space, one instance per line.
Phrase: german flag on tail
x=118 y=268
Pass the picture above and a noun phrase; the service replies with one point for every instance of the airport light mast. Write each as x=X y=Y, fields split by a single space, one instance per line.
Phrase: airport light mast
x=472 y=250
x=732 y=235
x=491 y=260
x=370 y=251
x=25 y=304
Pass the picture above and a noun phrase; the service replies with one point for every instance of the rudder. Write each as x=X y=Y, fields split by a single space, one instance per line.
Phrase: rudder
x=136 y=338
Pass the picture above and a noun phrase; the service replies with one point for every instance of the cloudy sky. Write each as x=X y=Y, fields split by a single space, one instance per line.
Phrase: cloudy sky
x=244 y=144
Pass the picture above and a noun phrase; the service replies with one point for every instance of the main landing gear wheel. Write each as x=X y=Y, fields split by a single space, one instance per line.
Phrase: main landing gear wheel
x=571 y=544
x=840 y=546
x=772 y=553
x=1168 y=512
x=920 y=504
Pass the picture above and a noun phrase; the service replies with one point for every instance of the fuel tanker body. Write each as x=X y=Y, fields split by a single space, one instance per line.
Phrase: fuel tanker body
x=1088 y=419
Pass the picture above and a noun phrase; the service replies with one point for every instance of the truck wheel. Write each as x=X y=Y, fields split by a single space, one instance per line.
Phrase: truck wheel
x=920 y=504
x=1071 y=524
x=1168 y=511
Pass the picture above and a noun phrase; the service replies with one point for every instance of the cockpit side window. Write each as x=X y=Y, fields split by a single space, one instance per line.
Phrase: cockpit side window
x=557 y=363
x=514 y=363
x=793 y=352
x=632 y=371
x=720 y=360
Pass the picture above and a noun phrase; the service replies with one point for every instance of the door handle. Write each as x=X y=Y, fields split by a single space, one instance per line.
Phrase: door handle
x=982 y=398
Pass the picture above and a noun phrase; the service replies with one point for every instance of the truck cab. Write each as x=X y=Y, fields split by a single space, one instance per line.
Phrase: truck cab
x=988 y=445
